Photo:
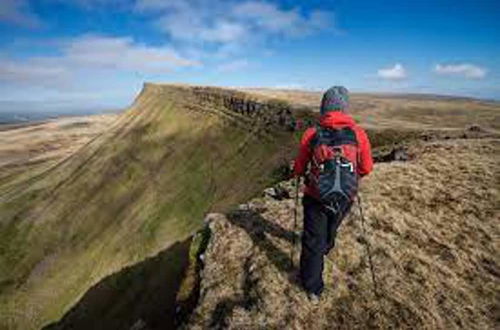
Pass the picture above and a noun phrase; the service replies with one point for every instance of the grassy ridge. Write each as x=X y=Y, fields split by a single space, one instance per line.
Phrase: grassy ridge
x=431 y=223
x=128 y=194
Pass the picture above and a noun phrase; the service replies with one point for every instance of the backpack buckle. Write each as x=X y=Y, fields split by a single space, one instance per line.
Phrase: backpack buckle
x=349 y=164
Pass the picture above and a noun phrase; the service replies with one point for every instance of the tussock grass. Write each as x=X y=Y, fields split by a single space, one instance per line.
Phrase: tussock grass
x=433 y=228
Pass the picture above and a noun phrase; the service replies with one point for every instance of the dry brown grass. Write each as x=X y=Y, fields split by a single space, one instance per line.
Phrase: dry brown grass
x=30 y=149
x=433 y=226
x=50 y=139
x=403 y=111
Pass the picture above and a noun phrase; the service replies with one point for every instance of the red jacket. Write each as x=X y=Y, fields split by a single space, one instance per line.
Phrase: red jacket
x=334 y=119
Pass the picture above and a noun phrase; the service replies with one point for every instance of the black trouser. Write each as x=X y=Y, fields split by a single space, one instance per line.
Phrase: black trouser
x=320 y=230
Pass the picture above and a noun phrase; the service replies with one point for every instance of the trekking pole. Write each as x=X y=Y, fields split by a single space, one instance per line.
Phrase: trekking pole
x=368 y=249
x=295 y=216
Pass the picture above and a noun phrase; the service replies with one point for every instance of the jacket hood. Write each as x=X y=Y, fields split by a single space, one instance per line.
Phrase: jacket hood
x=336 y=119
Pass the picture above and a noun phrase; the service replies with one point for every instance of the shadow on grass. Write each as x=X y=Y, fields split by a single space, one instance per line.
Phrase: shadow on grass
x=257 y=227
x=142 y=296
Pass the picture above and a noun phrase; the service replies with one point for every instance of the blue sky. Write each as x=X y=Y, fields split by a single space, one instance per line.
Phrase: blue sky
x=97 y=53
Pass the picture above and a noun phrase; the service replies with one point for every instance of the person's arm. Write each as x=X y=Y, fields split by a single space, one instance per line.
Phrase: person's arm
x=365 y=165
x=304 y=155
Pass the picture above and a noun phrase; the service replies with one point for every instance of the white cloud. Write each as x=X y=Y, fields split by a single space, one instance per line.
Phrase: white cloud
x=123 y=54
x=182 y=26
x=224 y=31
x=466 y=70
x=17 y=12
x=397 y=72
x=93 y=56
x=221 y=33
x=33 y=71
x=233 y=66
x=292 y=86
x=230 y=21
x=269 y=17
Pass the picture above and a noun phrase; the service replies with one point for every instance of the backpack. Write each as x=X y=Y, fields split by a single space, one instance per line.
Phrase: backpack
x=334 y=164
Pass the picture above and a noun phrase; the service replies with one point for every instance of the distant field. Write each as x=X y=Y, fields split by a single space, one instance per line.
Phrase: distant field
x=32 y=147
x=404 y=111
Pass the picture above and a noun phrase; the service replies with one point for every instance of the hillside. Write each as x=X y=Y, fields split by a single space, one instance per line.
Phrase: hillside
x=96 y=230
x=130 y=193
x=433 y=226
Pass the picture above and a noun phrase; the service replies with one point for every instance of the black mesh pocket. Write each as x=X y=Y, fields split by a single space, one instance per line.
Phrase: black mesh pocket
x=349 y=182
x=327 y=186
x=337 y=180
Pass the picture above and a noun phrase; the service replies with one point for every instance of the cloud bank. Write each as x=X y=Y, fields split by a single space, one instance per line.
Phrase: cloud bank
x=229 y=21
x=466 y=70
x=92 y=55
x=218 y=33
x=397 y=72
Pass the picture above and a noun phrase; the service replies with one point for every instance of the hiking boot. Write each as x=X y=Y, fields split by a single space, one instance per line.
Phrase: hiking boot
x=313 y=298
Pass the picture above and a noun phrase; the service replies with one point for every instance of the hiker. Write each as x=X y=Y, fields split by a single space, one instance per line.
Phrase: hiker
x=333 y=156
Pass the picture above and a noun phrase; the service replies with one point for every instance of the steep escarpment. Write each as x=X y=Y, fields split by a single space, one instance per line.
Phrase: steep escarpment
x=133 y=191
x=433 y=226
x=100 y=239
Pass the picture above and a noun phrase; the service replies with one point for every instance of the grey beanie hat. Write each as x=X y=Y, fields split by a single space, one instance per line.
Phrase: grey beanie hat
x=335 y=99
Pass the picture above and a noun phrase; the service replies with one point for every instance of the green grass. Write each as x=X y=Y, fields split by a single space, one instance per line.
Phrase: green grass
x=142 y=186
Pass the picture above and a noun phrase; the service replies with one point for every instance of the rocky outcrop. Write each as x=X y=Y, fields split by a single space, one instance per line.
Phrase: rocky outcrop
x=399 y=154
x=265 y=112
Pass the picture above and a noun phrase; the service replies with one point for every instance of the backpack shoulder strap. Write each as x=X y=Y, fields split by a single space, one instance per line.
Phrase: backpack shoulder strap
x=348 y=136
x=317 y=136
x=334 y=136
